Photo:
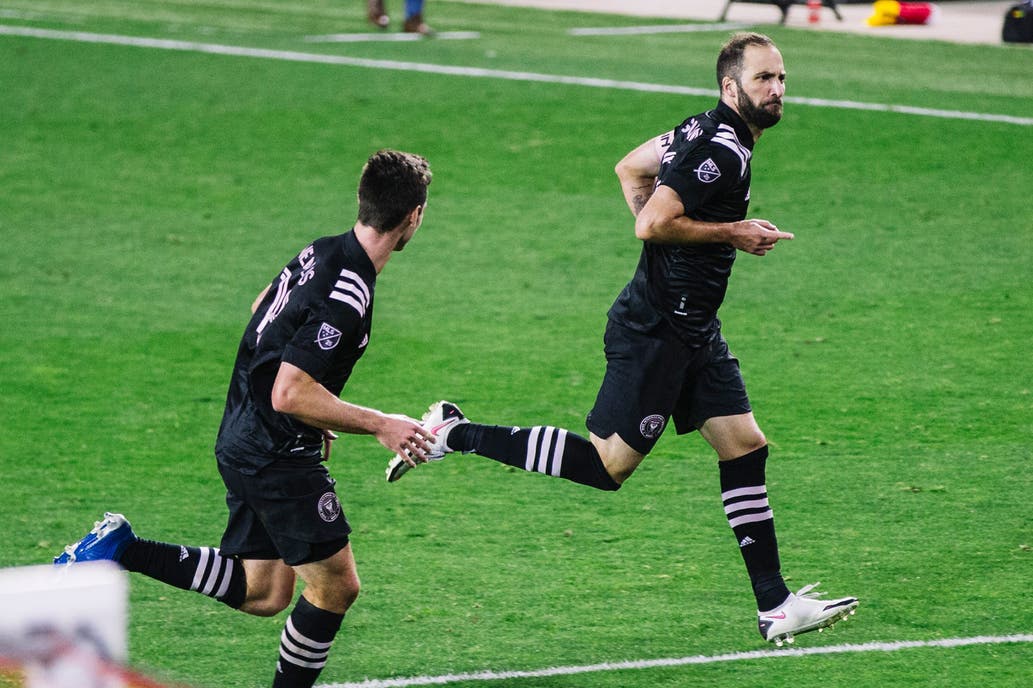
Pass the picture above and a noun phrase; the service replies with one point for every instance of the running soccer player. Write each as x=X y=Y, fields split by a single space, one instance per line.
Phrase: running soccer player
x=689 y=190
x=308 y=329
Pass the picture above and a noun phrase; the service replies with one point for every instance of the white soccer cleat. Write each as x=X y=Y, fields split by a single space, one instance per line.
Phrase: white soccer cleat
x=801 y=613
x=439 y=420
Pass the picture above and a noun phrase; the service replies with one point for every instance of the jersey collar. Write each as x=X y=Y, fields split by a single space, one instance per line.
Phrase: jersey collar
x=729 y=116
x=357 y=255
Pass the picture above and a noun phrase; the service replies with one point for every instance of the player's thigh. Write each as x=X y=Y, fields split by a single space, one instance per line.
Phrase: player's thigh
x=299 y=512
x=714 y=389
x=245 y=536
x=331 y=583
x=643 y=380
x=733 y=436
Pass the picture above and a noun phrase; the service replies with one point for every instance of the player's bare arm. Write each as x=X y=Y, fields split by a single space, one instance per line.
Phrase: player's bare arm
x=663 y=220
x=637 y=174
x=298 y=394
x=258 y=300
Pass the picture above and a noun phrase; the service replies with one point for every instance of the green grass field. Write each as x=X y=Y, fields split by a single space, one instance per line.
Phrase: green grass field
x=147 y=195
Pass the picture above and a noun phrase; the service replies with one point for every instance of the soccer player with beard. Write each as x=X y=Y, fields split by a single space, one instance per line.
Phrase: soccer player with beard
x=689 y=190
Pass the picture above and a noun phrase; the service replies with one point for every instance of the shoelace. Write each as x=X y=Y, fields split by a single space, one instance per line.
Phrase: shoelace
x=806 y=591
x=70 y=549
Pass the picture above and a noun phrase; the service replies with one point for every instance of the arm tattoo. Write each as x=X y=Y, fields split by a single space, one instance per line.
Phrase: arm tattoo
x=639 y=202
x=640 y=196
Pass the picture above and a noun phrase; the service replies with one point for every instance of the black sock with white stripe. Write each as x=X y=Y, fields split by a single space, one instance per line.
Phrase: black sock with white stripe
x=305 y=645
x=745 y=497
x=542 y=449
x=201 y=569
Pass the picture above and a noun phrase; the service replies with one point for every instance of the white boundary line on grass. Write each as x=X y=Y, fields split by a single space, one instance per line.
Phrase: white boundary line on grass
x=475 y=72
x=656 y=29
x=681 y=661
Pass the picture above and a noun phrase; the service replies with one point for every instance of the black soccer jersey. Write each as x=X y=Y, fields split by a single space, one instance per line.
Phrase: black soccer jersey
x=316 y=315
x=706 y=160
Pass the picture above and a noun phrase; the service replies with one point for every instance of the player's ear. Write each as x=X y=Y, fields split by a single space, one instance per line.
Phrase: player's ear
x=411 y=219
x=729 y=88
x=416 y=216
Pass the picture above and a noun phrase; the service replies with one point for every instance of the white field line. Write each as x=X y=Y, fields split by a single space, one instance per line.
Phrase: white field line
x=681 y=661
x=476 y=72
x=656 y=29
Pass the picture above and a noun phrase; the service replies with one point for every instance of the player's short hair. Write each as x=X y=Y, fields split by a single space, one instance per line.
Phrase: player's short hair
x=393 y=183
x=729 y=60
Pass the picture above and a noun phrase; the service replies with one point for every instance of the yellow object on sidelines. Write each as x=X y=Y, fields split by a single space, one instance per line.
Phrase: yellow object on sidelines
x=890 y=12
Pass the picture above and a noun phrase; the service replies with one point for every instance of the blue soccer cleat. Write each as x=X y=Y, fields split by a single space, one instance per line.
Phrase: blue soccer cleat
x=107 y=541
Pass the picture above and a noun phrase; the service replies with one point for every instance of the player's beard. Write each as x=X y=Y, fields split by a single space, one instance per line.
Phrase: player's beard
x=763 y=116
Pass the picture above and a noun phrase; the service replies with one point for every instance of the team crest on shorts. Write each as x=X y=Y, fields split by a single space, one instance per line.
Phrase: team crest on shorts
x=328 y=337
x=708 y=171
x=329 y=507
x=651 y=426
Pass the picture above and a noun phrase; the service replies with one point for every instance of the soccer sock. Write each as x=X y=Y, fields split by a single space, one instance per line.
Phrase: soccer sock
x=201 y=569
x=745 y=498
x=305 y=645
x=542 y=448
x=412 y=8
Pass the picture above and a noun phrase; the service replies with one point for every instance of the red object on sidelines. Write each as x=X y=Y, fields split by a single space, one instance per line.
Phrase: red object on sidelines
x=813 y=11
x=915 y=13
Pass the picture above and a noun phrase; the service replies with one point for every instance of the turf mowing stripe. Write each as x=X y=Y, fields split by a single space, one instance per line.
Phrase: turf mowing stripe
x=391 y=37
x=476 y=72
x=681 y=661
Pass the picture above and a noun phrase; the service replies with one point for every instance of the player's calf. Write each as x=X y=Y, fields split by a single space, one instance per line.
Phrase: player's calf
x=200 y=569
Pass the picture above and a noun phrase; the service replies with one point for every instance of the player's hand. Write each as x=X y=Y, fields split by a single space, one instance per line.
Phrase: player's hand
x=328 y=440
x=757 y=236
x=405 y=437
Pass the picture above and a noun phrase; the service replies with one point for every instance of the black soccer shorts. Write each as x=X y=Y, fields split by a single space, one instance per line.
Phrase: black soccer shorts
x=287 y=511
x=653 y=377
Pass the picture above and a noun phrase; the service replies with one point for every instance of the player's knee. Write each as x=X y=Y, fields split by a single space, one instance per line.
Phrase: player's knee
x=619 y=462
x=268 y=603
x=617 y=478
x=735 y=436
x=747 y=437
x=337 y=596
x=350 y=592
x=347 y=589
x=754 y=443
